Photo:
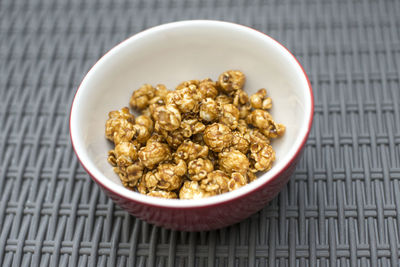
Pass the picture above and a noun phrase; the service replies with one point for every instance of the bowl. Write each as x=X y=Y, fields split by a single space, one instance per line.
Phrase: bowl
x=185 y=50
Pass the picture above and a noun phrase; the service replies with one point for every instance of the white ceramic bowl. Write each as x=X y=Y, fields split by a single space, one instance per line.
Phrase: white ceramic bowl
x=180 y=51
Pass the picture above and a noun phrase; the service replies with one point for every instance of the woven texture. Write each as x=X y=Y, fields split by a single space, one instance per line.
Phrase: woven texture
x=341 y=207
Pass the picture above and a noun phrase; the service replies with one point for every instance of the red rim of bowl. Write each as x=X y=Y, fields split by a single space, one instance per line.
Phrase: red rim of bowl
x=296 y=154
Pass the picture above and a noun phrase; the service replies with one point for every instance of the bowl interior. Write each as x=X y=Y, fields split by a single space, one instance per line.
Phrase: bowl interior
x=181 y=51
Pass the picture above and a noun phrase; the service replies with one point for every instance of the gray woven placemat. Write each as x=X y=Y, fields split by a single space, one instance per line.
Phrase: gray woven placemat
x=341 y=208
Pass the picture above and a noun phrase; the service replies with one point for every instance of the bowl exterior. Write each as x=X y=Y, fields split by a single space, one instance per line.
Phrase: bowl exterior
x=208 y=217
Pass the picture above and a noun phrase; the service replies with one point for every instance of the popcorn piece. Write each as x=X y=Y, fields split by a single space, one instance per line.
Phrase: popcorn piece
x=237 y=180
x=256 y=137
x=142 y=133
x=198 y=169
x=239 y=142
x=263 y=120
x=243 y=128
x=215 y=183
x=263 y=156
x=124 y=154
x=274 y=130
x=260 y=100
x=259 y=118
x=218 y=136
x=192 y=126
x=184 y=99
x=123 y=158
x=229 y=116
x=207 y=89
x=209 y=110
x=168 y=117
x=119 y=126
x=145 y=121
x=192 y=84
x=192 y=190
x=169 y=176
x=240 y=98
x=174 y=138
x=231 y=80
x=141 y=97
x=148 y=183
x=233 y=161
x=223 y=99
x=155 y=138
x=130 y=175
x=241 y=101
x=244 y=111
x=189 y=151
x=161 y=91
x=154 y=153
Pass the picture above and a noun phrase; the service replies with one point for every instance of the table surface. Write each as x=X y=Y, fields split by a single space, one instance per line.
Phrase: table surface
x=339 y=208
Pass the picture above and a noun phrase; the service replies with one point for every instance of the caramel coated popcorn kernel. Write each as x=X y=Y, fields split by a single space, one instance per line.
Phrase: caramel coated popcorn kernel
x=168 y=117
x=237 y=180
x=142 y=133
x=189 y=151
x=141 y=97
x=239 y=142
x=130 y=175
x=260 y=100
x=233 y=161
x=218 y=136
x=209 y=110
x=223 y=99
x=274 y=130
x=192 y=190
x=229 y=115
x=169 y=176
x=185 y=99
x=231 y=80
x=259 y=118
x=154 y=153
x=174 y=138
x=191 y=127
x=207 y=89
x=125 y=153
x=146 y=122
x=198 y=169
x=119 y=126
x=264 y=156
x=202 y=139
x=215 y=183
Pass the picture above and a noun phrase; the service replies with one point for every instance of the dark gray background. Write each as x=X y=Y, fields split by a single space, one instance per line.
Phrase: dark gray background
x=341 y=208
